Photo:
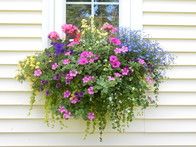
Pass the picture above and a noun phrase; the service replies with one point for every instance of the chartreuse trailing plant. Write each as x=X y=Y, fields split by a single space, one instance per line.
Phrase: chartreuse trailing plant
x=99 y=75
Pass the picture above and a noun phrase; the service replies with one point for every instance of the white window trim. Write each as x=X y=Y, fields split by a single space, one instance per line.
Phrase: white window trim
x=53 y=13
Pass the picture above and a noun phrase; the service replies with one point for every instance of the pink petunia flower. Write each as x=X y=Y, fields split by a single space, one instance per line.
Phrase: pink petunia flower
x=61 y=109
x=124 y=49
x=115 y=64
x=66 y=94
x=37 y=72
x=68 y=53
x=111 y=78
x=116 y=74
x=53 y=36
x=91 y=116
x=90 y=90
x=149 y=80
x=141 y=61
x=74 y=100
x=67 y=114
x=125 y=71
x=54 y=66
x=72 y=43
x=66 y=61
x=73 y=73
x=115 y=41
x=113 y=58
x=83 y=61
x=87 y=79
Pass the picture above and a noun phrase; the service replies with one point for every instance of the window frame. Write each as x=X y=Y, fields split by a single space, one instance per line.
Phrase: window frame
x=54 y=15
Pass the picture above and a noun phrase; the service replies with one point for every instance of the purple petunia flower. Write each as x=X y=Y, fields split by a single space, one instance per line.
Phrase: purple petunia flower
x=91 y=116
x=90 y=90
x=59 y=48
x=66 y=94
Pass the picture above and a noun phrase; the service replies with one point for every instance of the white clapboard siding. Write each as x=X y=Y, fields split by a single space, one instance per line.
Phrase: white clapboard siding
x=171 y=22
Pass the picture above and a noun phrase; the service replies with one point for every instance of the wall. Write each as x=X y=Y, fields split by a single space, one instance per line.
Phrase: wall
x=173 y=123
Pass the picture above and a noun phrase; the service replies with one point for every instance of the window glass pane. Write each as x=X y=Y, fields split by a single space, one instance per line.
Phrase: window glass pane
x=107 y=13
x=78 y=0
x=106 y=0
x=75 y=13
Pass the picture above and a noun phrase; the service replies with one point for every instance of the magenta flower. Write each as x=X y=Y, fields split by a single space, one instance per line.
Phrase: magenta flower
x=86 y=54
x=53 y=36
x=115 y=64
x=66 y=61
x=91 y=116
x=68 y=53
x=116 y=74
x=113 y=58
x=87 y=79
x=111 y=78
x=123 y=49
x=74 y=100
x=125 y=71
x=149 y=80
x=115 y=41
x=73 y=73
x=67 y=114
x=83 y=61
x=141 y=61
x=54 y=66
x=37 y=72
x=70 y=29
x=109 y=28
x=72 y=43
x=90 y=90
x=117 y=50
x=66 y=94
x=61 y=109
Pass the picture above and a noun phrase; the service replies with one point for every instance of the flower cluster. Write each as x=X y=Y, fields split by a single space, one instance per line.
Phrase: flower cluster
x=95 y=74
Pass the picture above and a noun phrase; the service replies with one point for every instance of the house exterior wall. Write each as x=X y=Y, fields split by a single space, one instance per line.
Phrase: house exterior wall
x=172 y=123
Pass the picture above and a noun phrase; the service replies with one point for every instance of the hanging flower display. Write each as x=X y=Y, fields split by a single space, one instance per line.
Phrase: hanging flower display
x=99 y=75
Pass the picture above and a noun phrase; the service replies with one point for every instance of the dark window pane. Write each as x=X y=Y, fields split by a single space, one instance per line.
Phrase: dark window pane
x=75 y=13
x=78 y=0
x=107 y=13
x=106 y=0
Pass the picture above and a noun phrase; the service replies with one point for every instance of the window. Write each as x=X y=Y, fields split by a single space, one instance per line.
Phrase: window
x=126 y=13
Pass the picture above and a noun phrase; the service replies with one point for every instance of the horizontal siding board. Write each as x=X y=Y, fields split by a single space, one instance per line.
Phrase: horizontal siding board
x=178 y=45
x=181 y=6
x=114 y=139
x=27 y=5
x=20 y=44
x=77 y=126
x=177 y=99
x=20 y=17
x=169 y=19
x=20 y=31
x=179 y=32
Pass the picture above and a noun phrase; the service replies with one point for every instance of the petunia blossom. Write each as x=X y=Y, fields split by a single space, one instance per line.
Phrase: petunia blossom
x=66 y=94
x=37 y=72
x=91 y=116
